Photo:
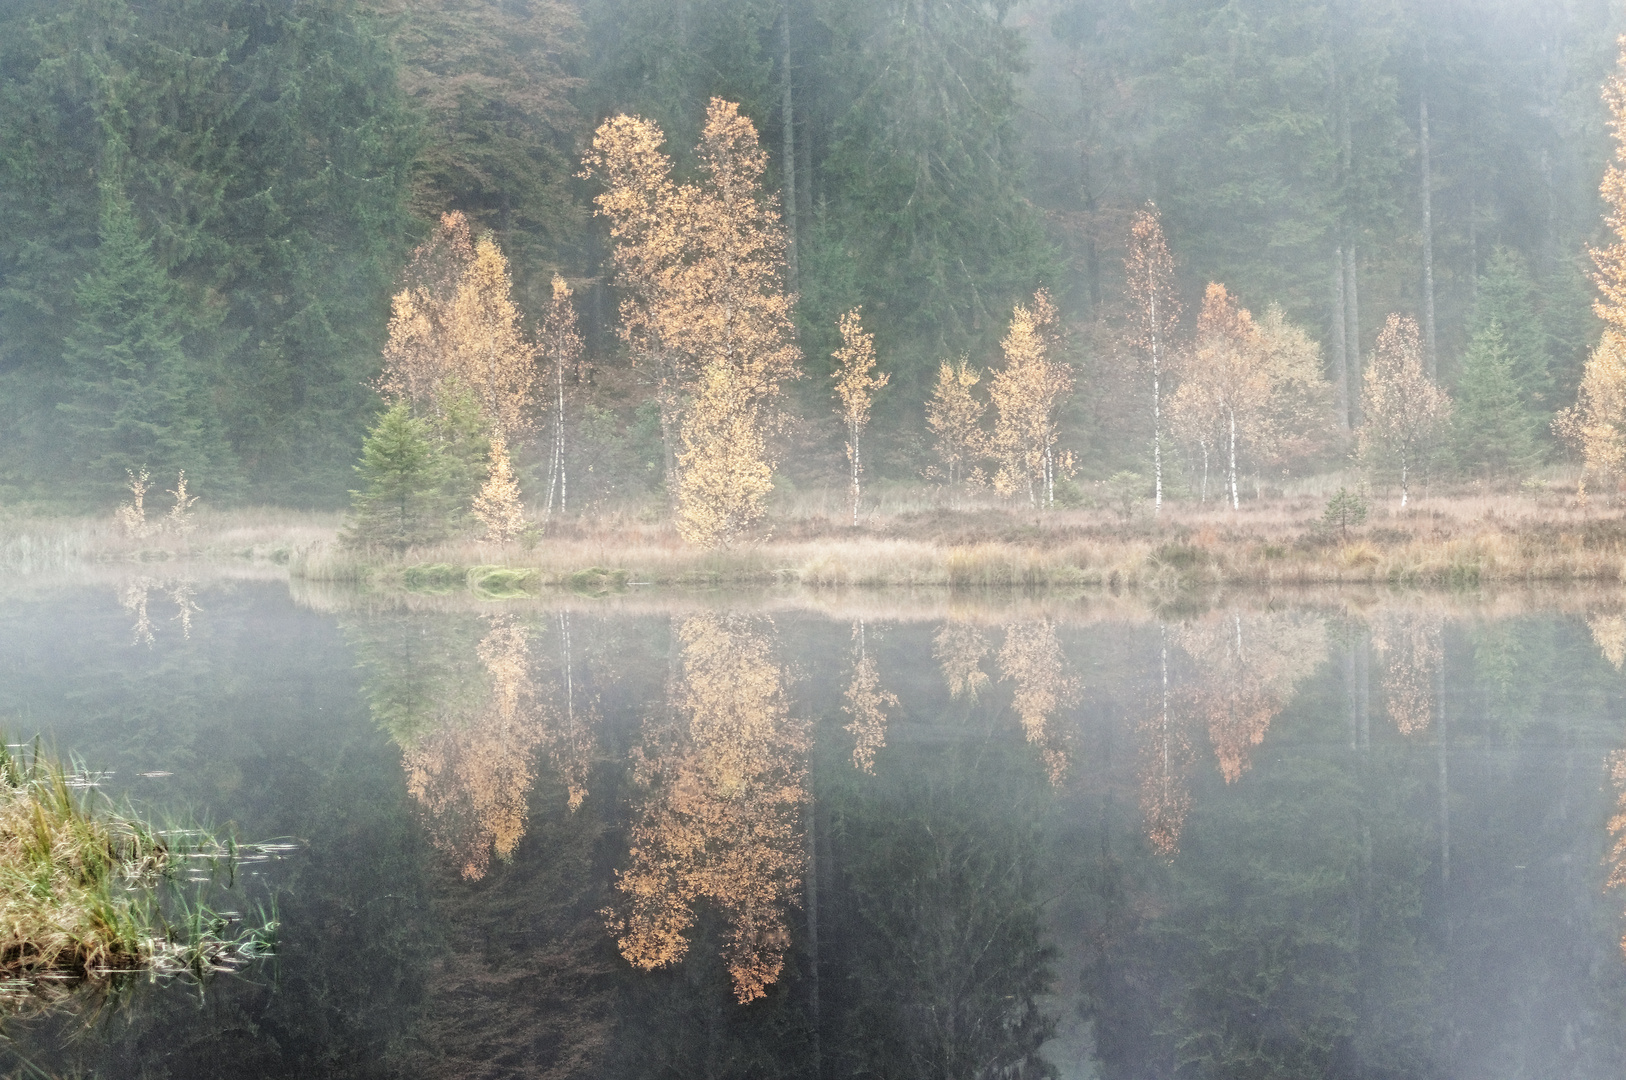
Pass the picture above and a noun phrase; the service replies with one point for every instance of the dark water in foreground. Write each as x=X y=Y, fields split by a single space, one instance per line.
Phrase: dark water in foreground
x=683 y=839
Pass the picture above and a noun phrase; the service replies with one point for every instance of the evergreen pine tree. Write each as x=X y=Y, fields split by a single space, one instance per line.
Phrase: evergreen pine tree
x=401 y=501
x=134 y=398
x=1494 y=432
x=1507 y=300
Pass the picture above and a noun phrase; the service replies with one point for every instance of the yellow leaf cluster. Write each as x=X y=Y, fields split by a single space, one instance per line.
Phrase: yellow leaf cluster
x=866 y=703
x=1412 y=650
x=959 y=648
x=1595 y=426
x=1032 y=659
x=1246 y=669
x=721 y=815
x=456 y=324
x=472 y=774
x=1609 y=635
x=954 y=416
x=497 y=504
x=1027 y=395
x=1405 y=413
x=725 y=477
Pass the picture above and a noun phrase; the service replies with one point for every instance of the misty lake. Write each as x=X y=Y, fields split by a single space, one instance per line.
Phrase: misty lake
x=818 y=835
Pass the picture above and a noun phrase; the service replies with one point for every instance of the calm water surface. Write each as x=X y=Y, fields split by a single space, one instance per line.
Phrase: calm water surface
x=1344 y=837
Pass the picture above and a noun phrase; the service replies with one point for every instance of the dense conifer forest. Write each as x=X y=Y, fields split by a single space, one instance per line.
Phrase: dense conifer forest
x=207 y=206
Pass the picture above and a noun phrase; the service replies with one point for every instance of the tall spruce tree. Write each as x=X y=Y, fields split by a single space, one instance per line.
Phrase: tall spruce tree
x=1494 y=432
x=135 y=400
x=1507 y=301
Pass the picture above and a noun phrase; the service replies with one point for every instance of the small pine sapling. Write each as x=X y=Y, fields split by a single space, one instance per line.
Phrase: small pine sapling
x=1346 y=510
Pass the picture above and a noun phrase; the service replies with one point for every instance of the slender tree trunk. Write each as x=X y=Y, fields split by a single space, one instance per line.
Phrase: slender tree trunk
x=1352 y=335
x=857 y=470
x=1340 y=355
x=1403 y=476
x=1430 y=356
x=1236 y=498
x=1204 y=497
x=789 y=201
x=1157 y=411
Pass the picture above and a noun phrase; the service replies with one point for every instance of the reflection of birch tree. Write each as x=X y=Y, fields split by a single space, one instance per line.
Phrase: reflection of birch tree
x=570 y=739
x=1032 y=659
x=1165 y=765
x=1246 y=670
x=1609 y=635
x=959 y=648
x=472 y=773
x=720 y=815
x=866 y=703
x=1410 y=645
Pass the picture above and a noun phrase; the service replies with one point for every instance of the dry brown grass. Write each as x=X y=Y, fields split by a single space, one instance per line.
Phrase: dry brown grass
x=1461 y=539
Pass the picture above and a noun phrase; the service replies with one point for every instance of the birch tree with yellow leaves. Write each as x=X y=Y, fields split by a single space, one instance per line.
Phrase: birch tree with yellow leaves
x=416 y=358
x=1027 y=395
x=1406 y=414
x=1154 y=320
x=1595 y=426
x=561 y=351
x=707 y=310
x=1226 y=385
x=856 y=384
x=455 y=327
x=954 y=416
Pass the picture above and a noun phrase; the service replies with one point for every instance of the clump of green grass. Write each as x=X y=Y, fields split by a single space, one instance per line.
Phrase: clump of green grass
x=78 y=885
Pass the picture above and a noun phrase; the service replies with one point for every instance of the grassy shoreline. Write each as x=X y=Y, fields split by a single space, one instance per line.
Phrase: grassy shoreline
x=1457 y=541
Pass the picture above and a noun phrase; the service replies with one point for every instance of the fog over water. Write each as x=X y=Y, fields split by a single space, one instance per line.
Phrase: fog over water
x=1352 y=836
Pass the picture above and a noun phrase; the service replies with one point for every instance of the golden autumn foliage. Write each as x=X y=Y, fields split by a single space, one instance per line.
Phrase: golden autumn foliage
x=1027 y=395
x=1609 y=634
x=720 y=815
x=1412 y=650
x=472 y=773
x=1615 y=860
x=1246 y=669
x=1154 y=319
x=866 y=703
x=1032 y=659
x=1595 y=426
x=725 y=474
x=959 y=648
x=954 y=416
x=455 y=323
x=856 y=384
x=497 y=504
x=416 y=357
x=1249 y=387
x=488 y=351
x=703 y=265
x=561 y=352
x=1405 y=413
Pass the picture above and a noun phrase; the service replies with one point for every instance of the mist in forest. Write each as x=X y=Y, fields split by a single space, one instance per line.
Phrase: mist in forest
x=732 y=250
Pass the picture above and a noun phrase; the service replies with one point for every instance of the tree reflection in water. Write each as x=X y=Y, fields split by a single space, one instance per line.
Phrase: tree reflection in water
x=719 y=817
